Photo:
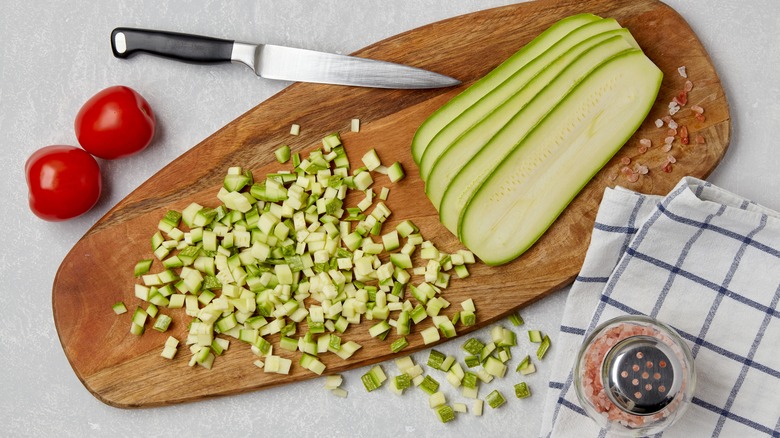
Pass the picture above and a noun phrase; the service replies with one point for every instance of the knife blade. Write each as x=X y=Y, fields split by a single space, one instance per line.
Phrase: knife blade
x=276 y=62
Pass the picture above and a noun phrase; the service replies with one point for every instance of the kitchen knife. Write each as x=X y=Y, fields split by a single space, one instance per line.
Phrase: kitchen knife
x=276 y=62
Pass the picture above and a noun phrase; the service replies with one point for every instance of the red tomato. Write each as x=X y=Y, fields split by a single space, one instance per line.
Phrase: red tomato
x=64 y=182
x=115 y=123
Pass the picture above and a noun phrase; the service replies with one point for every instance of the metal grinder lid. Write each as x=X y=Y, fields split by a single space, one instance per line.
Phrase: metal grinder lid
x=642 y=375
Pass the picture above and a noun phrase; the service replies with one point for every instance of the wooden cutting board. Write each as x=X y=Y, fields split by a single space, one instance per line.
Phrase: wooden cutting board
x=127 y=371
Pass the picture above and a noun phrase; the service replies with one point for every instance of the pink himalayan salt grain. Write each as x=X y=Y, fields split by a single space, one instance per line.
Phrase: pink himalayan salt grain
x=659 y=123
x=645 y=142
x=667 y=147
x=697 y=109
x=682 y=72
x=672 y=124
x=688 y=86
x=684 y=135
x=681 y=98
x=625 y=160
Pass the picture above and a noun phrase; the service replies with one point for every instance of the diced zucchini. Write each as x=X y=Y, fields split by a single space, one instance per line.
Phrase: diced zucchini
x=445 y=413
x=495 y=399
x=282 y=154
x=374 y=378
x=396 y=172
x=522 y=390
x=399 y=344
x=371 y=160
x=436 y=359
x=543 y=347
x=142 y=267
x=119 y=308
x=429 y=385
x=430 y=335
x=476 y=408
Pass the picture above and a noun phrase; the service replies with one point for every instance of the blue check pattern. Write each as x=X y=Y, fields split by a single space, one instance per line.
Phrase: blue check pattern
x=704 y=261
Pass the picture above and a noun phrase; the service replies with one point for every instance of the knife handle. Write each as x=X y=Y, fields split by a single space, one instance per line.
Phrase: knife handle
x=127 y=41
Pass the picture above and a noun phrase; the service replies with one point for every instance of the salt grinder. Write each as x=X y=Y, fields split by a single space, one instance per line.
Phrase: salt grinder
x=634 y=375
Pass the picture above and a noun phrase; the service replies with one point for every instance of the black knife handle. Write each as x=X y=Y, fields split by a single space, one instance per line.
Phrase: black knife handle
x=126 y=41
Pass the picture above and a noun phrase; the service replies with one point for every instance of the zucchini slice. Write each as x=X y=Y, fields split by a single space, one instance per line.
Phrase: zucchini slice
x=480 y=88
x=513 y=129
x=464 y=148
x=506 y=89
x=524 y=195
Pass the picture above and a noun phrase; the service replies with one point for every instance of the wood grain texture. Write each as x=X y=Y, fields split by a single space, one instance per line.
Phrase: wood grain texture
x=126 y=371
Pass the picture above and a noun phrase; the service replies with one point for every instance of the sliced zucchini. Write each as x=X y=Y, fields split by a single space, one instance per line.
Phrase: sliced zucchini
x=461 y=187
x=506 y=89
x=454 y=107
x=455 y=156
x=529 y=189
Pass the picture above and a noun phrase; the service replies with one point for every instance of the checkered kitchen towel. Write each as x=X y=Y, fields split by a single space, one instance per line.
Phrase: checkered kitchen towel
x=704 y=261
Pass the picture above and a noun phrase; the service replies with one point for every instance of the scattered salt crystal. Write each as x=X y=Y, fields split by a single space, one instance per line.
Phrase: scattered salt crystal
x=671 y=132
x=659 y=123
x=672 y=124
x=671 y=159
x=645 y=142
x=625 y=160
x=667 y=147
x=697 y=109
x=682 y=72
x=674 y=106
x=688 y=86
x=669 y=140
x=681 y=98
x=699 y=139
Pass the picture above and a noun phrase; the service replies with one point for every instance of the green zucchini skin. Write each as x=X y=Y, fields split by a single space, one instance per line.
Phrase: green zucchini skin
x=442 y=116
x=511 y=86
x=462 y=164
x=531 y=187
x=467 y=181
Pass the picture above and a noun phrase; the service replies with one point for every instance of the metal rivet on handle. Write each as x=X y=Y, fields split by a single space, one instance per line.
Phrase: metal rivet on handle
x=120 y=43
